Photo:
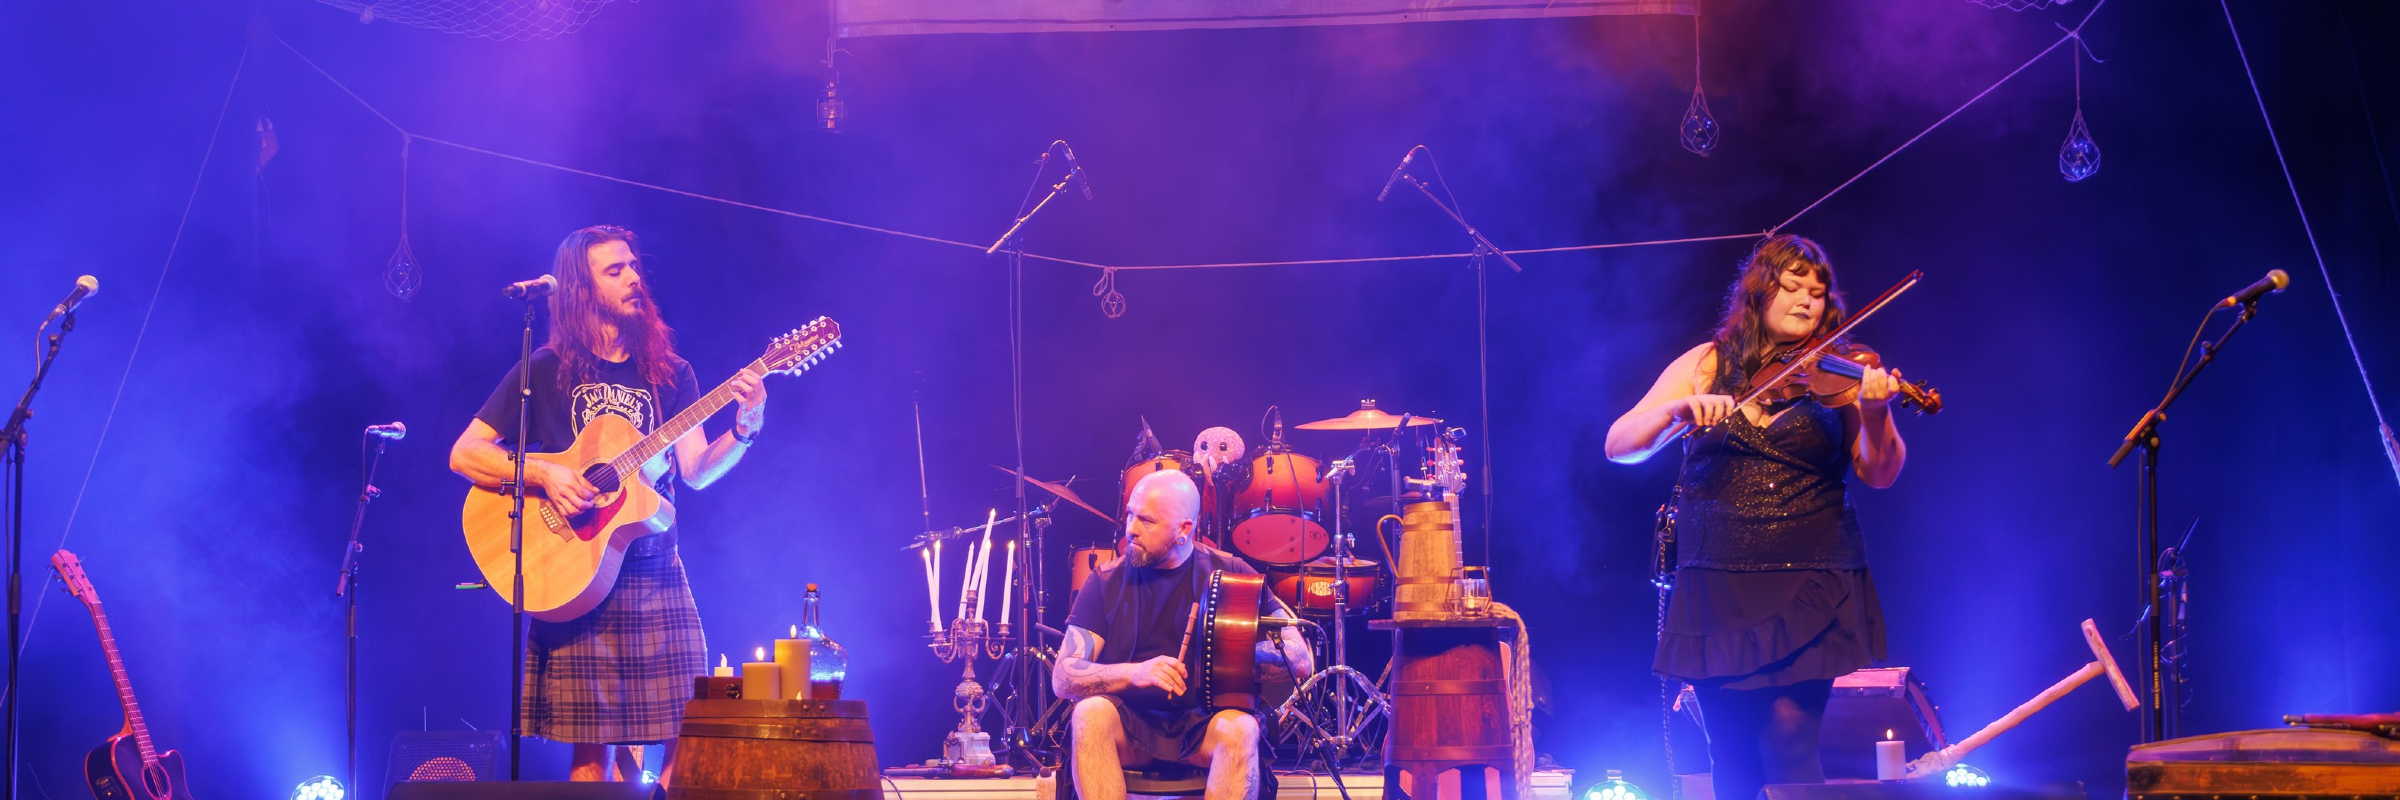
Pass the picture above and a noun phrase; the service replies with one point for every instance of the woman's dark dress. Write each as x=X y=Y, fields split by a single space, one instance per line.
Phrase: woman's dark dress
x=1771 y=583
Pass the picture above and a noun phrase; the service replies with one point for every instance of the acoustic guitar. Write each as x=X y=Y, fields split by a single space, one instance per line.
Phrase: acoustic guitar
x=127 y=766
x=571 y=562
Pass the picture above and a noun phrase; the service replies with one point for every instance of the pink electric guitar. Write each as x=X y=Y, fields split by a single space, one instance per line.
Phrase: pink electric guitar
x=126 y=767
x=571 y=562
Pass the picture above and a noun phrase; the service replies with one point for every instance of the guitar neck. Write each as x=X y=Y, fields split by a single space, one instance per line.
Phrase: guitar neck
x=630 y=462
x=116 y=669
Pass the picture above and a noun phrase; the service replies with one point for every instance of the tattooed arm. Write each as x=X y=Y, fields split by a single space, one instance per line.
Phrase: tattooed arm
x=1076 y=676
x=1286 y=658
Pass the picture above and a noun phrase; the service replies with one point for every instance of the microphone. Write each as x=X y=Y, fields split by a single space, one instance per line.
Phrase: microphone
x=1075 y=168
x=529 y=289
x=393 y=432
x=1397 y=172
x=2273 y=282
x=85 y=287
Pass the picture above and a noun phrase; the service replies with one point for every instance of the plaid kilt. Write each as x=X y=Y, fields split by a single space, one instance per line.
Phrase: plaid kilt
x=620 y=674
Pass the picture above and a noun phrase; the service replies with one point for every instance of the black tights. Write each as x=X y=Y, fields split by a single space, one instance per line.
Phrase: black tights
x=1762 y=736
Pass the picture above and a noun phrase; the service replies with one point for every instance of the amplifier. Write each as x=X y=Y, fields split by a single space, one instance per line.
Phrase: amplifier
x=445 y=757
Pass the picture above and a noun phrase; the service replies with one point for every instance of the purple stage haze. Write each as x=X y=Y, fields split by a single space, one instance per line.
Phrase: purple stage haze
x=2051 y=316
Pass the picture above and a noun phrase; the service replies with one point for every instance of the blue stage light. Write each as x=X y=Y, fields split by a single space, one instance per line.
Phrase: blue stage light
x=1615 y=788
x=322 y=787
x=647 y=775
x=1966 y=777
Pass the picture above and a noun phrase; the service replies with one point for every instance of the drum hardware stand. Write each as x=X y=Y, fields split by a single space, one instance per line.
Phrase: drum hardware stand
x=12 y=438
x=1348 y=721
x=2159 y=723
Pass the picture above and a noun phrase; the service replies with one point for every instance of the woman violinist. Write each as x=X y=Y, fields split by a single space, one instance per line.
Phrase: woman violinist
x=1772 y=599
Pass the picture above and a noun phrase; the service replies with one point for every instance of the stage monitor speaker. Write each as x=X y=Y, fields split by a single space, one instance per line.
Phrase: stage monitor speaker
x=525 y=790
x=1863 y=706
x=1921 y=790
x=445 y=757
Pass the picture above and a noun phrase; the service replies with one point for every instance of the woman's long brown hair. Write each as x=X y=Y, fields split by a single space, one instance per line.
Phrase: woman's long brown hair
x=577 y=318
x=1742 y=339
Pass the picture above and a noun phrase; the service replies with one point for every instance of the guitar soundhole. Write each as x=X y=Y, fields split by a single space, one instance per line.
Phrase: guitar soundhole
x=602 y=477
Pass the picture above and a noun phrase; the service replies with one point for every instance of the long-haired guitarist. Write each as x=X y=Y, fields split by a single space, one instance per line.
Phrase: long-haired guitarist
x=620 y=674
x=1123 y=662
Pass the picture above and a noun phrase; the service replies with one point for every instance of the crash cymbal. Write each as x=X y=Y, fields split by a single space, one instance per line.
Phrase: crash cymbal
x=1062 y=491
x=1366 y=418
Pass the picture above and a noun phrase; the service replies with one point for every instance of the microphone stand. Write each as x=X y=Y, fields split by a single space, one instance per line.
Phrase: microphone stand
x=12 y=436
x=348 y=591
x=2160 y=723
x=516 y=551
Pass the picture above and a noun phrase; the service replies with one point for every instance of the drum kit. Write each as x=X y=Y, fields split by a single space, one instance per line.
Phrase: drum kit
x=1287 y=513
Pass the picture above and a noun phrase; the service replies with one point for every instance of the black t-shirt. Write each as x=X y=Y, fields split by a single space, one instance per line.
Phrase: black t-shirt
x=558 y=416
x=1141 y=613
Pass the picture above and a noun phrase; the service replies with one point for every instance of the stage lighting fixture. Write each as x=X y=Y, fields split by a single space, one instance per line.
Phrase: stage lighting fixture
x=649 y=776
x=322 y=787
x=1615 y=788
x=1966 y=777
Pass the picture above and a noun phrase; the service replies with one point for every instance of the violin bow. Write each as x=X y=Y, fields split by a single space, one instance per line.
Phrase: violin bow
x=1809 y=355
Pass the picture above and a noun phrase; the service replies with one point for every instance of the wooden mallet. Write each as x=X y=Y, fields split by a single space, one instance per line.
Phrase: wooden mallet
x=1940 y=761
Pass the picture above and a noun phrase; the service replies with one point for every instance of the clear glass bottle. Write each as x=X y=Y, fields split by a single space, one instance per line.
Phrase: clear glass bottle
x=828 y=662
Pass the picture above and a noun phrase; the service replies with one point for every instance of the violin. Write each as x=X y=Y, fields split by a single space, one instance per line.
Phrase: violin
x=1833 y=379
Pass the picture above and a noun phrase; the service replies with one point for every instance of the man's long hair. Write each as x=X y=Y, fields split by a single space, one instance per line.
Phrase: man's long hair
x=577 y=318
x=1742 y=339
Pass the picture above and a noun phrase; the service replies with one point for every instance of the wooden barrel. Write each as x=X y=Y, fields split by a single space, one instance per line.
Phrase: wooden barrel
x=1449 y=704
x=775 y=750
x=1426 y=577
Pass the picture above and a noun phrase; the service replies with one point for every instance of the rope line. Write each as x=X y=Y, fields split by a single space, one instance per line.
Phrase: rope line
x=2391 y=449
x=173 y=243
x=2073 y=33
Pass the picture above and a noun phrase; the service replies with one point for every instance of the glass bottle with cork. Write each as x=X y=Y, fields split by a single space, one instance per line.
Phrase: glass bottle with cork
x=828 y=661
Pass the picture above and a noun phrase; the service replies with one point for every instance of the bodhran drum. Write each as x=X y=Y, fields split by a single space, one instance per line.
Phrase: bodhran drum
x=1085 y=558
x=1308 y=588
x=1278 y=505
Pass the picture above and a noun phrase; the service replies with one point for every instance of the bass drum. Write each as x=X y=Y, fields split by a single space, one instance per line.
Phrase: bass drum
x=1278 y=508
x=1085 y=559
x=1308 y=589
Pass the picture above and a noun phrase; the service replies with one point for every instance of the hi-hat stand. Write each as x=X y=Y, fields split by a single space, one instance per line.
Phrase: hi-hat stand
x=1354 y=699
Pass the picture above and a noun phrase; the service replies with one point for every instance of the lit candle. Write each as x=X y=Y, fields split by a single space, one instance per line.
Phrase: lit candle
x=983 y=563
x=760 y=678
x=1008 y=584
x=933 y=586
x=791 y=666
x=724 y=670
x=1891 y=758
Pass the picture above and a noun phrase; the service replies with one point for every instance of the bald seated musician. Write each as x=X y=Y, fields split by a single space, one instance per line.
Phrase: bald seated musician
x=1136 y=703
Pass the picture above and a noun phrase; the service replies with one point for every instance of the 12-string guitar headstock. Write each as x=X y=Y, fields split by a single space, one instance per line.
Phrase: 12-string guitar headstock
x=797 y=351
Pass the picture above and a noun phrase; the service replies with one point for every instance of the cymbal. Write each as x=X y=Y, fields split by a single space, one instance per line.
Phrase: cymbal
x=1061 y=490
x=1366 y=418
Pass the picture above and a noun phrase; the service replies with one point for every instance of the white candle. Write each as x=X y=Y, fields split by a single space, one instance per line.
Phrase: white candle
x=1008 y=584
x=966 y=582
x=760 y=679
x=724 y=670
x=1891 y=759
x=933 y=587
x=983 y=563
x=791 y=666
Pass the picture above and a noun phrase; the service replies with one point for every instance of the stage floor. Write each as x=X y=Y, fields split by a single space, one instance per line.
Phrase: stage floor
x=1547 y=785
